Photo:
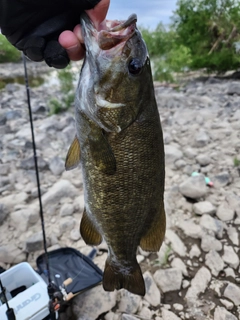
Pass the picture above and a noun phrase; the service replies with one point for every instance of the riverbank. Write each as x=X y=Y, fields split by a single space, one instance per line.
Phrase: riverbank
x=196 y=273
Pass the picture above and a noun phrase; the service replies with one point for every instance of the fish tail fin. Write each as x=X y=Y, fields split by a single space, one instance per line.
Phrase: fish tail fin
x=118 y=277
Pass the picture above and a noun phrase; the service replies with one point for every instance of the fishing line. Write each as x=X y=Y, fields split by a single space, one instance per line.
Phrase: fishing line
x=36 y=168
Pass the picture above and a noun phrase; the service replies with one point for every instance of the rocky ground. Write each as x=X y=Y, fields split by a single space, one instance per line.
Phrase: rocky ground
x=196 y=274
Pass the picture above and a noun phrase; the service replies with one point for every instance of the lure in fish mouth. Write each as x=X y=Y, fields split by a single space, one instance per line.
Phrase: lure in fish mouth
x=117 y=33
x=119 y=145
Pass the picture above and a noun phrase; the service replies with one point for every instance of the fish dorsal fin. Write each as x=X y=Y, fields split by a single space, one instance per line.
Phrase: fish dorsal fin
x=102 y=154
x=73 y=155
x=88 y=231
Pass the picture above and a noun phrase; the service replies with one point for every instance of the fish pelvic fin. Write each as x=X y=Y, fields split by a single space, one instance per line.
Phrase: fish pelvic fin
x=117 y=277
x=153 y=238
x=73 y=155
x=89 y=232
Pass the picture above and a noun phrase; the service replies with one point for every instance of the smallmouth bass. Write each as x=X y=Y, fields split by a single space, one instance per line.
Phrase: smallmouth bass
x=119 y=145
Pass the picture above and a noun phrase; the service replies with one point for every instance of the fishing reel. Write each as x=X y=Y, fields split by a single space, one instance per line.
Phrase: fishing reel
x=59 y=299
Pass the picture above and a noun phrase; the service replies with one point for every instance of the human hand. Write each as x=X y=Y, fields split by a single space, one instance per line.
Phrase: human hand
x=34 y=26
x=72 y=40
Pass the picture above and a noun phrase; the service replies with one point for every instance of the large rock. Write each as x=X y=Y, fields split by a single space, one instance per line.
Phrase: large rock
x=34 y=243
x=66 y=210
x=57 y=166
x=211 y=224
x=153 y=295
x=222 y=180
x=169 y=315
x=172 y=154
x=222 y=314
x=198 y=285
x=204 y=207
x=203 y=160
x=233 y=88
x=194 y=252
x=14 y=199
x=209 y=243
x=179 y=264
x=66 y=224
x=233 y=201
x=11 y=254
x=190 y=153
x=230 y=257
x=92 y=303
x=233 y=235
x=168 y=279
x=126 y=316
x=191 y=229
x=29 y=163
x=214 y=262
x=129 y=302
x=4 y=211
x=21 y=220
x=224 y=212
x=194 y=187
x=201 y=139
x=176 y=243
x=232 y=292
x=61 y=189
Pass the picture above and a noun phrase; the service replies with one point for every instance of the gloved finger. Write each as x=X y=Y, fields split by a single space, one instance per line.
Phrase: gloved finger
x=38 y=49
x=55 y=55
x=32 y=47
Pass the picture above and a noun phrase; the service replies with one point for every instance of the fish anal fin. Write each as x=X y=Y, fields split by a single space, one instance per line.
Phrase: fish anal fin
x=153 y=238
x=89 y=232
x=73 y=155
x=117 y=277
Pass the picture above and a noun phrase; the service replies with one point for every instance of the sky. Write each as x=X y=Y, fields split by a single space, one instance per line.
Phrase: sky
x=149 y=12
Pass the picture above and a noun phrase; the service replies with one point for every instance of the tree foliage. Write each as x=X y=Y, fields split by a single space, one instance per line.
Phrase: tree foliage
x=166 y=55
x=211 y=30
x=8 y=53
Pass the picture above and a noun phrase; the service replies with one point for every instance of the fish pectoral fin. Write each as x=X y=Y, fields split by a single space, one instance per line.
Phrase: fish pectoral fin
x=89 y=232
x=154 y=236
x=102 y=154
x=117 y=277
x=73 y=155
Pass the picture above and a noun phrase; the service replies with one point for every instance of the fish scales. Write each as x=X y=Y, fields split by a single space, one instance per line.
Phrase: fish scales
x=121 y=152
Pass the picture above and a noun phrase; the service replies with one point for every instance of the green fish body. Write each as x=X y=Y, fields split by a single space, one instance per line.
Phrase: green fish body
x=119 y=145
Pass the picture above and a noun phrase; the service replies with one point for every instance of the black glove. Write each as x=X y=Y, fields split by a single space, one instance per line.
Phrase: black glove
x=33 y=26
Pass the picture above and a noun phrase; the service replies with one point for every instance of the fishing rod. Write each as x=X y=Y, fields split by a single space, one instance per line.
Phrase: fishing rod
x=51 y=287
x=58 y=296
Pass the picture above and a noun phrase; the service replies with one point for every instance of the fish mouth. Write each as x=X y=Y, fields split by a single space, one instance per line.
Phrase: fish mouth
x=110 y=33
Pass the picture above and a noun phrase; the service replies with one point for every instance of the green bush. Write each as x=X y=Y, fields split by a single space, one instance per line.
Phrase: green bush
x=8 y=53
x=179 y=58
x=162 y=71
x=204 y=34
x=158 y=41
x=66 y=78
x=210 y=29
x=236 y=162
x=167 y=57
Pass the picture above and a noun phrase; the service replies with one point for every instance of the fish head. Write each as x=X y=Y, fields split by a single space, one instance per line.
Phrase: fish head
x=115 y=73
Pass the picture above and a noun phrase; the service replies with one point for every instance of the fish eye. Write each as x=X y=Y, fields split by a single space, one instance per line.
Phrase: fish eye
x=135 y=66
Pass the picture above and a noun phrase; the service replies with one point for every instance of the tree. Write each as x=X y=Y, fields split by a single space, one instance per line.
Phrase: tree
x=211 y=30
